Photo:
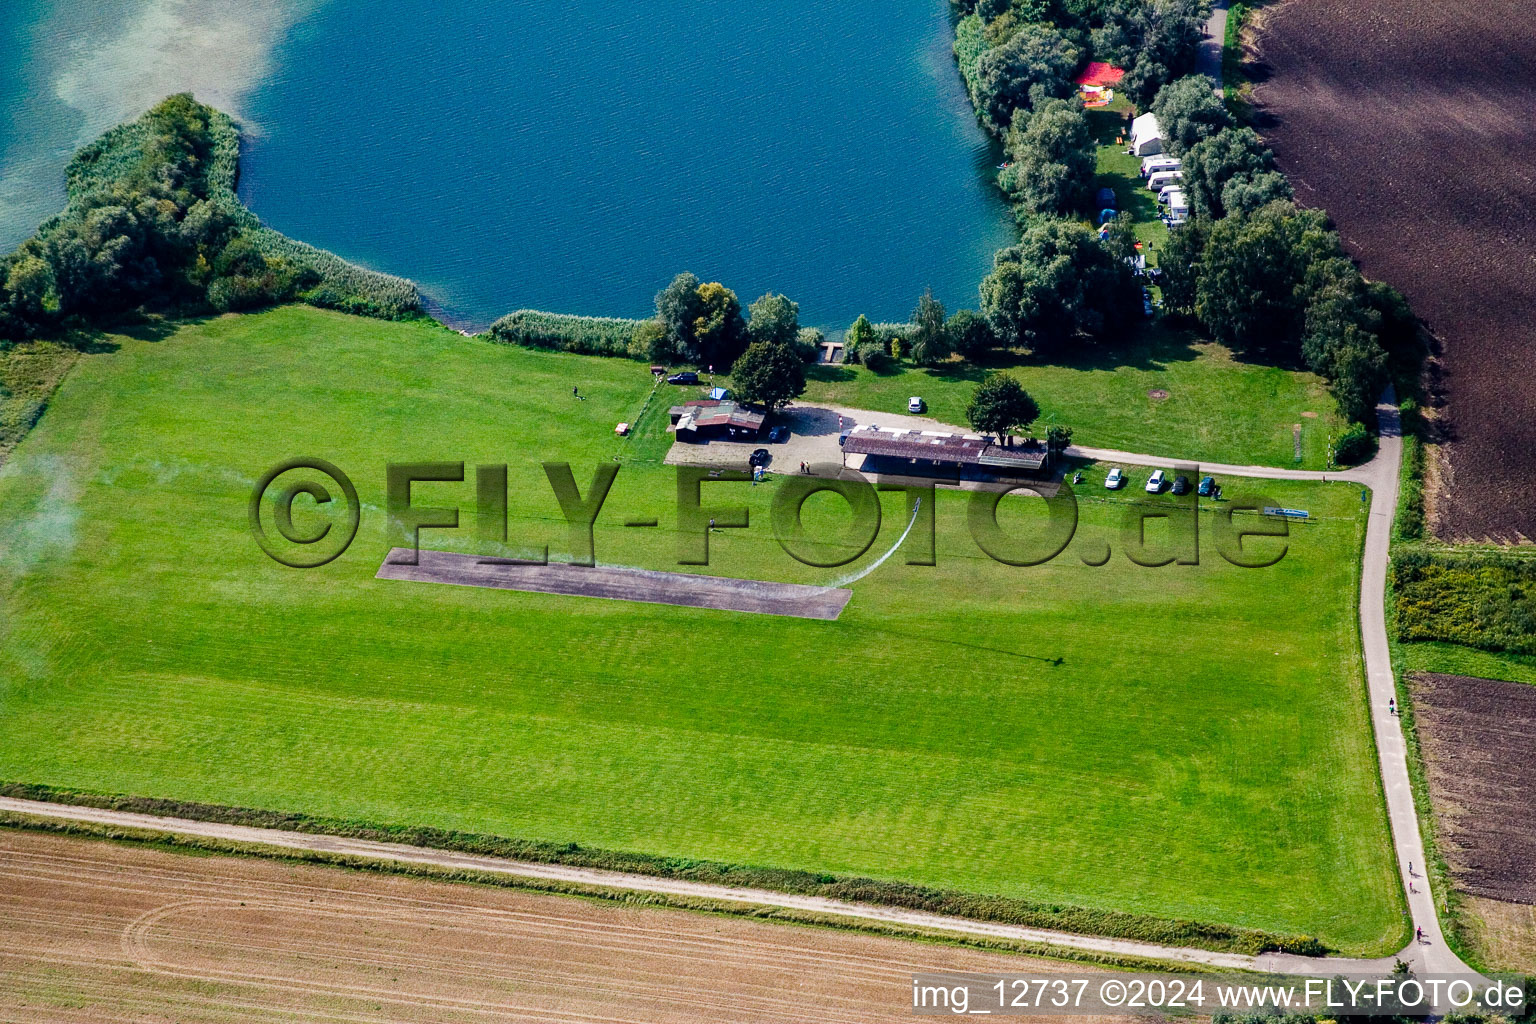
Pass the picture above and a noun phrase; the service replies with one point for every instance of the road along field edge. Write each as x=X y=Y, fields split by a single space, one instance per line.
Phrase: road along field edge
x=738 y=900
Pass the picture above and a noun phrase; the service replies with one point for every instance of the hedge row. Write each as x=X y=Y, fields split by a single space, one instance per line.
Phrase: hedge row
x=1005 y=909
x=1484 y=600
x=588 y=335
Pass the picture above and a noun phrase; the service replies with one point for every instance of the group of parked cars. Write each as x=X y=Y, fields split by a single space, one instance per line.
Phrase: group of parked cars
x=1208 y=488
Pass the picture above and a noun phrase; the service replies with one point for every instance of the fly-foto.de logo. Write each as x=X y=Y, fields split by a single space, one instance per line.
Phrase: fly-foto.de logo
x=706 y=503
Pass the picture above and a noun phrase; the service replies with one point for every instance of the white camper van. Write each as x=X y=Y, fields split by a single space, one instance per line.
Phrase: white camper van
x=1162 y=179
x=1178 y=207
x=1161 y=162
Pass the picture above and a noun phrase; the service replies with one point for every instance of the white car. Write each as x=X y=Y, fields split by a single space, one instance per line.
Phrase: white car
x=1115 y=480
x=1155 y=482
x=915 y=404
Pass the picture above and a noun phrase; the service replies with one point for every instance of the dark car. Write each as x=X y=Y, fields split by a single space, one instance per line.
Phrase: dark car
x=759 y=457
x=778 y=435
x=1207 y=486
x=1181 y=485
x=688 y=377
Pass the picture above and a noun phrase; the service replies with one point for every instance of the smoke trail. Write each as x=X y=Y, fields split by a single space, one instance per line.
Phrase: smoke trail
x=855 y=577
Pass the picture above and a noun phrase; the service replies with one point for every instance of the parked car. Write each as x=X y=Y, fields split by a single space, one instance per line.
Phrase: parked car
x=916 y=404
x=779 y=434
x=1207 y=487
x=687 y=377
x=1181 y=485
x=759 y=457
x=1155 y=482
x=1115 y=480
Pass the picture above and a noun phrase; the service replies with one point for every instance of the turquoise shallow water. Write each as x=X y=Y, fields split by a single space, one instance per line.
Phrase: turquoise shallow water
x=573 y=157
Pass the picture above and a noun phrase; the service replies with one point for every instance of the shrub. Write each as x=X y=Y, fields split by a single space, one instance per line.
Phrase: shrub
x=1355 y=445
x=969 y=334
x=588 y=335
x=874 y=355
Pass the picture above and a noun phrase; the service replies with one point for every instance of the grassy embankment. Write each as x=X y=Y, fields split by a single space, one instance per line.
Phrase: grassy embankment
x=1036 y=734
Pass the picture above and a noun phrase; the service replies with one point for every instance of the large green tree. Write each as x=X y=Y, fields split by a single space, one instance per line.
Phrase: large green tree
x=1250 y=290
x=720 y=329
x=930 y=341
x=1057 y=284
x=678 y=309
x=1000 y=405
x=1034 y=65
x=768 y=373
x=1053 y=159
x=1189 y=110
x=1231 y=170
x=702 y=323
x=774 y=318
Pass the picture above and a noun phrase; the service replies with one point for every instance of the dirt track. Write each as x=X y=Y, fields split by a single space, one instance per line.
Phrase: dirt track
x=97 y=931
x=1477 y=736
x=1410 y=122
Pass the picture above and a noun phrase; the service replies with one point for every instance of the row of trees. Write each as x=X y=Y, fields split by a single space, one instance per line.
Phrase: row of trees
x=1263 y=276
x=152 y=220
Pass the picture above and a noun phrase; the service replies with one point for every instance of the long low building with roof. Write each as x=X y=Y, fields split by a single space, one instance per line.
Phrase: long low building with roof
x=931 y=453
x=707 y=418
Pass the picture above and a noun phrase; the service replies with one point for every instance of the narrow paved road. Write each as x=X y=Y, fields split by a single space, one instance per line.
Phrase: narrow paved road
x=1212 y=46
x=1431 y=955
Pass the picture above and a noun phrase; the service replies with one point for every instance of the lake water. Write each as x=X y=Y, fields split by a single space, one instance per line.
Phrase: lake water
x=573 y=157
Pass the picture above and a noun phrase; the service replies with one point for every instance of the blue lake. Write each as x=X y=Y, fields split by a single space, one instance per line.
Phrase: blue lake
x=573 y=157
x=553 y=155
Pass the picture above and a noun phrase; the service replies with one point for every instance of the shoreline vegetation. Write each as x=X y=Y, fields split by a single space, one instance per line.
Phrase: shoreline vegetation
x=152 y=222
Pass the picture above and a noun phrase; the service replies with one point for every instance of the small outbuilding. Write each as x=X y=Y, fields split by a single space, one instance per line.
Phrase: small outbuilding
x=707 y=419
x=1146 y=136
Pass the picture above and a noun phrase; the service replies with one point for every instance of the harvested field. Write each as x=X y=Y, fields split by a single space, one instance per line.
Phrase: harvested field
x=615 y=583
x=98 y=931
x=1477 y=735
x=1409 y=121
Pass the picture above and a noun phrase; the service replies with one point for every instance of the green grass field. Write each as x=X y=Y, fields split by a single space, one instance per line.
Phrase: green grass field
x=1184 y=742
x=1218 y=408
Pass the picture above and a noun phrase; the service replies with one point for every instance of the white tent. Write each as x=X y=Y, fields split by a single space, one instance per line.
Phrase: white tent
x=1146 y=137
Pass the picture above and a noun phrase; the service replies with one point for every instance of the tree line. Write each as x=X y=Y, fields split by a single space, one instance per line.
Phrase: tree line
x=1261 y=275
x=152 y=221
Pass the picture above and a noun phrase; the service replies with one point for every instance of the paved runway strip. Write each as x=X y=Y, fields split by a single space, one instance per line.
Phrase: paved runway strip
x=620 y=584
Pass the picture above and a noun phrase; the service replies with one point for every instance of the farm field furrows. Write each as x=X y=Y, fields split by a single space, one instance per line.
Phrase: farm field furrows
x=1409 y=121
x=99 y=931
x=1186 y=741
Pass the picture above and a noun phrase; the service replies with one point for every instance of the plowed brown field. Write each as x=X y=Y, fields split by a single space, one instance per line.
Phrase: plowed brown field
x=96 y=931
x=1477 y=736
x=1411 y=122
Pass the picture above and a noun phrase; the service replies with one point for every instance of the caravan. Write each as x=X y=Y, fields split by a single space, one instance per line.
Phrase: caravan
x=1162 y=179
x=1178 y=207
x=1161 y=162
